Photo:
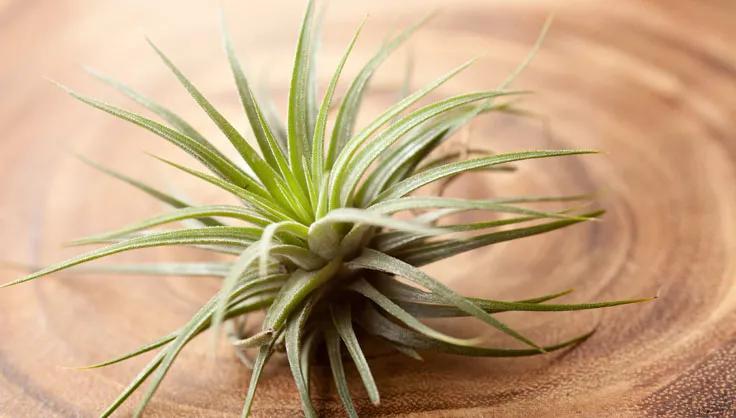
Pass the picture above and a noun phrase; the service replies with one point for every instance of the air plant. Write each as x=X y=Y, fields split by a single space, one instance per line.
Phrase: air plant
x=315 y=243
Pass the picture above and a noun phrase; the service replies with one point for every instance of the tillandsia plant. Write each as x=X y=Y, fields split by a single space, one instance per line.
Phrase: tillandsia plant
x=316 y=243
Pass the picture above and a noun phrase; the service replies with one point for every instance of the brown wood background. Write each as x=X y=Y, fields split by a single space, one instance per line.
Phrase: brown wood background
x=651 y=83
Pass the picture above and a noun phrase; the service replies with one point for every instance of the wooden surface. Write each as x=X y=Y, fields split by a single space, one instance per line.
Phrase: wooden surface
x=653 y=84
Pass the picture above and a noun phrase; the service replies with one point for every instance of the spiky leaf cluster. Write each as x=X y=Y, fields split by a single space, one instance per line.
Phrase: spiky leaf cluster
x=315 y=243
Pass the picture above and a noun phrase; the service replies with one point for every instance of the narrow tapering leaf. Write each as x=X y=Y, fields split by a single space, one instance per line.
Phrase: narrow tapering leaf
x=318 y=147
x=215 y=161
x=350 y=105
x=377 y=324
x=180 y=215
x=443 y=249
x=436 y=173
x=374 y=260
x=216 y=235
x=365 y=289
x=342 y=319
x=294 y=331
x=169 y=116
x=149 y=190
x=299 y=135
x=332 y=341
x=262 y=130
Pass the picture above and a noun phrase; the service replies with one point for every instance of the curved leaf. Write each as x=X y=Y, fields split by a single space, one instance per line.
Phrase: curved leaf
x=448 y=248
x=350 y=105
x=172 y=118
x=341 y=318
x=179 y=215
x=364 y=288
x=377 y=324
x=432 y=174
x=215 y=235
x=214 y=160
x=374 y=260
x=332 y=341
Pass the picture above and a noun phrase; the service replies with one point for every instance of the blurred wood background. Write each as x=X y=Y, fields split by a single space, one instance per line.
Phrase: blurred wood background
x=651 y=83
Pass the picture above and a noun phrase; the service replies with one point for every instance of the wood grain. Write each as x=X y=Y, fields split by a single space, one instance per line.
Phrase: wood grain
x=652 y=84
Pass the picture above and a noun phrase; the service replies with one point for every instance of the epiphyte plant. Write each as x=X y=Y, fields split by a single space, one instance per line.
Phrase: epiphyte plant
x=316 y=244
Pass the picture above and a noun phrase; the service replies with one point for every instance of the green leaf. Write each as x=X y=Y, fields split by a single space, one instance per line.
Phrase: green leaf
x=364 y=288
x=266 y=174
x=332 y=341
x=352 y=146
x=443 y=249
x=323 y=194
x=144 y=349
x=299 y=135
x=294 y=331
x=298 y=287
x=350 y=170
x=312 y=106
x=239 y=267
x=135 y=384
x=394 y=240
x=262 y=131
x=318 y=151
x=264 y=135
x=151 y=191
x=215 y=161
x=268 y=208
x=262 y=170
x=445 y=311
x=418 y=180
x=350 y=106
x=530 y=56
x=416 y=146
x=403 y=158
x=452 y=156
x=341 y=318
x=401 y=293
x=264 y=352
x=179 y=215
x=162 y=269
x=502 y=205
x=424 y=304
x=377 y=261
x=217 y=235
x=298 y=256
x=378 y=325
x=187 y=333
x=310 y=343
x=266 y=241
x=172 y=118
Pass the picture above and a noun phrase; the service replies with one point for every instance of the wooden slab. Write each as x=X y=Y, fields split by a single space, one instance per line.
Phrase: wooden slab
x=652 y=84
